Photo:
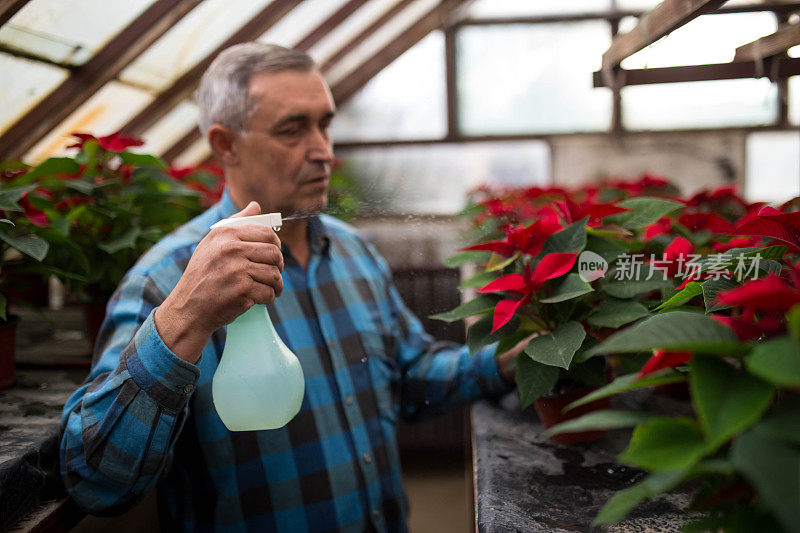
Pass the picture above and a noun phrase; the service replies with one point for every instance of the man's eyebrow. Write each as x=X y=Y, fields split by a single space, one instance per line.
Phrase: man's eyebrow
x=301 y=117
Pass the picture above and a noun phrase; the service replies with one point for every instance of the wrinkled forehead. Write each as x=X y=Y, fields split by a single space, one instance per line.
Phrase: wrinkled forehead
x=289 y=92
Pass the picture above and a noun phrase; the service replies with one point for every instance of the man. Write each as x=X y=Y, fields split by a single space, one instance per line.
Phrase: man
x=145 y=414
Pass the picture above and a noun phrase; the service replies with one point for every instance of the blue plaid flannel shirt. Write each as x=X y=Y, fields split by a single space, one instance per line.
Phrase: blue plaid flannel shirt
x=145 y=418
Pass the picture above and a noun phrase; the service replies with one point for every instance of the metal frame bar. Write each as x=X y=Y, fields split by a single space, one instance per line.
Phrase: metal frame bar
x=9 y=8
x=91 y=76
x=451 y=81
x=787 y=36
x=185 y=84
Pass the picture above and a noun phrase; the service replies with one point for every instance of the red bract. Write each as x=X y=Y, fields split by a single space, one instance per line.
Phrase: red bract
x=663 y=225
x=524 y=285
x=664 y=359
x=773 y=224
x=573 y=212
x=748 y=330
x=32 y=213
x=528 y=240
x=116 y=142
x=706 y=221
x=770 y=294
x=73 y=201
x=736 y=242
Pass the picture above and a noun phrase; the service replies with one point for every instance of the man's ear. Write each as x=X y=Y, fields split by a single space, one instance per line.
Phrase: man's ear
x=223 y=144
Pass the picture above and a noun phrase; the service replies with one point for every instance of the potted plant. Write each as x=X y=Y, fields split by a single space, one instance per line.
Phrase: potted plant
x=102 y=208
x=16 y=239
x=740 y=354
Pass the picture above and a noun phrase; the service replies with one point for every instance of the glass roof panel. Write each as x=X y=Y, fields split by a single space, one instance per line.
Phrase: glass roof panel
x=300 y=21
x=773 y=166
x=349 y=28
x=104 y=113
x=700 y=104
x=68 y=31
x=533 y=78
x=198 y=152
x=23 y=84
x=194 y=37
x=794 y=100
x=171 y=128
x=706 y=39
x=794 y=51
x=394 y=27
x=522 y=8
x=406 y=100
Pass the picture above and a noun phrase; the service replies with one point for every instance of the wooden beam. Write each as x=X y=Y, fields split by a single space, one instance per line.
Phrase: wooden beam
x=364 y=34
x=787 y=36
x=723 y=71
x=355 y=80
x=451 y=82
x=329 y=24
x=185 y=84
x=663 y=19
x=9 y=8
x=91 y=76
x=323 y=29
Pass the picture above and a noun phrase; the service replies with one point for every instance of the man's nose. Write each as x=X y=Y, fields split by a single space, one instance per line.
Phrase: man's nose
x=321 y=147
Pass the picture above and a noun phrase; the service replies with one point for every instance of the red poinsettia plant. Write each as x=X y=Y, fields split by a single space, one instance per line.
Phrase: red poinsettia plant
x=100 y=209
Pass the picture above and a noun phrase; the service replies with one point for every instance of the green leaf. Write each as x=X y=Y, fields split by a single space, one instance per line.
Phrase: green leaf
x=52 y=167
x=691 y=290
x=773 y=466
x=6 y=221
x=31 y=245
x=625 y=500
x=142 y=160
x=559 y=347
x=633 y=287
x=479 y=280
x=674 y=331
x=82 y=186
x=604 y=248
x=463 y=258
x=498 y=262
x=613 y=313
x=712 y=288
x=10 y=197
x=776 y=361
x=793 y=323
x=61 y=225
x=572 y=287
x=479 y=334
x=125 y=240
x=643 y=211
x=629 y=382
x=664 y=444
x=570 y=239
x=598 y=420
x=726 y=400
x=482 y=304
x=534 y=379
x=3 y=303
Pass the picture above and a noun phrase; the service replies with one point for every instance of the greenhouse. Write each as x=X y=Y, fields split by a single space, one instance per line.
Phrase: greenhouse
x=400 y=265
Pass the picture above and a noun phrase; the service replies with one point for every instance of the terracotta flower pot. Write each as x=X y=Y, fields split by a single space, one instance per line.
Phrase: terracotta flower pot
x=8 y=337
x=550 y=413
x=93 y=314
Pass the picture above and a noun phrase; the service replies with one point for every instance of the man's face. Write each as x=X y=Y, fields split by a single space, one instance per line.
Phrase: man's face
x=284 y=159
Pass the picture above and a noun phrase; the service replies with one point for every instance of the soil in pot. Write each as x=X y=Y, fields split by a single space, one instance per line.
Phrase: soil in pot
x=8 y=337
x=549 y=409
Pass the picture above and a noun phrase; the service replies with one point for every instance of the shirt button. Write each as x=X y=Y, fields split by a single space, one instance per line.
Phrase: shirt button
x=348 y=400
x=367 y=458
x=188 y=388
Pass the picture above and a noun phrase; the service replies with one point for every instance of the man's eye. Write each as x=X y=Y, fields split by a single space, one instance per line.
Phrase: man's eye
x=292 y=132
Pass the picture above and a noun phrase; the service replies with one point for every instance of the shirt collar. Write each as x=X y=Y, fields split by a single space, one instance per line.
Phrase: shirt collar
x=317 y=232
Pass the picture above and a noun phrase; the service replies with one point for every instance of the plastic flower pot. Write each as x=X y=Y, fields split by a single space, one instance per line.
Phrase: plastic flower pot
x=8 y=337
x=549 y=409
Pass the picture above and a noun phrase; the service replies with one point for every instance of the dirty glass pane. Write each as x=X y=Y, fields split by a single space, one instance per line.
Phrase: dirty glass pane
x=300 y=21
x=522 y=8
x=394 y=27
x=170 y=129
x=195 y=154
x=23 y=84
x=706 y=39
x=194 y=37
x=104 y=113
x=406 y=100
x=349 y=28
x=68 y=31
x=435 y=179
x=533 y=78
x=773 y=166
x=700 y=104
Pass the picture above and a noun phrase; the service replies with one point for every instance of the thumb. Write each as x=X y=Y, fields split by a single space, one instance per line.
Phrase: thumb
x=251 y=209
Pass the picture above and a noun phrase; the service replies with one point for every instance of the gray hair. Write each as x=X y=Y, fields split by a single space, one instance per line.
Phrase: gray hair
x=223 y=95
